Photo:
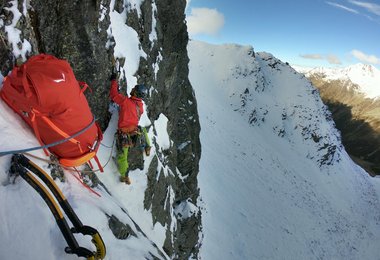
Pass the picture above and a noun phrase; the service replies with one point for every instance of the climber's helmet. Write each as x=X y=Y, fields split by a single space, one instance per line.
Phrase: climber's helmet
x=140 y=91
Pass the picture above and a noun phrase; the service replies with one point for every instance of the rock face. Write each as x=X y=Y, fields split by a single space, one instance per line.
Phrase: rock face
x=357 y=118
x=175 y=99
x=73 y=30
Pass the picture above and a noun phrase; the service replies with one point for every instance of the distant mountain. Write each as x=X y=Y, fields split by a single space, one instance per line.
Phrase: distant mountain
x=352 y=95
x=367 y=77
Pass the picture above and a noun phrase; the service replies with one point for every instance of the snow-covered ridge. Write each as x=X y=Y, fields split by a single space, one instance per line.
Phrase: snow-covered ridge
x=269 y=93
x=364 y=75
x=274 y=177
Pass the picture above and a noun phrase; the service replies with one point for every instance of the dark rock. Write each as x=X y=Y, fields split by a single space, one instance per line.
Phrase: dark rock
x=6 y=56
x=175 y=99
x=136 y=158
x=119 y=6
x=119 y=229
x=56 y=170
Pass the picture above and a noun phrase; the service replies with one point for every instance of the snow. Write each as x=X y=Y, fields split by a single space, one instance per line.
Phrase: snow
x=183 y=145
x=266 y=196
x=186 y=209
x=153 y=33
x=161 y=125
x=20 y=47
x=134 y=4
x=156 y=65
x=102 y=12
x=127 y=44
x=366 y=76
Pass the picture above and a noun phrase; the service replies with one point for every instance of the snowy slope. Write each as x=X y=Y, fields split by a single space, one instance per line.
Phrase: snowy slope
x=366 y=76
x=274 y=178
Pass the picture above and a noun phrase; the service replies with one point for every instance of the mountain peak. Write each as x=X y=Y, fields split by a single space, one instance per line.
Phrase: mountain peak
x=365 y=75
x=365 y=69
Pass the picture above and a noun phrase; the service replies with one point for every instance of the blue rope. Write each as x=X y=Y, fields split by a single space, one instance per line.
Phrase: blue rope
x=106 y=146
x=49 y=145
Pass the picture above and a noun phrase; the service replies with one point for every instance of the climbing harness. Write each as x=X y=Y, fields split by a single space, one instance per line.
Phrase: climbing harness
x=125 y=139
x=22 y=166
x=137 y=138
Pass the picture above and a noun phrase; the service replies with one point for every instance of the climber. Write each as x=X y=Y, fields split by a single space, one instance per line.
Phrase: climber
x=131 y=109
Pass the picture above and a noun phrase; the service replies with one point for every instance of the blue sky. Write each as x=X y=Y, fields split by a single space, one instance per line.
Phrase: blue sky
x=301 y=32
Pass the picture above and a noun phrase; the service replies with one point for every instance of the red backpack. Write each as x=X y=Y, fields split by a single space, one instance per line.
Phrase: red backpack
x=46 y=94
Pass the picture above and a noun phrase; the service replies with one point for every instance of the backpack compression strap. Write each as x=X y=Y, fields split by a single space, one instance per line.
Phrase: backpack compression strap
x=52 y=126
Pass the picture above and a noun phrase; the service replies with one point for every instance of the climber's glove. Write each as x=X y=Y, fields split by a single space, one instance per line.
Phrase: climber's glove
x=113 y=76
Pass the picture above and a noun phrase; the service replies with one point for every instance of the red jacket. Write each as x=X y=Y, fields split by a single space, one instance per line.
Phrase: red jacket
x=130 y=109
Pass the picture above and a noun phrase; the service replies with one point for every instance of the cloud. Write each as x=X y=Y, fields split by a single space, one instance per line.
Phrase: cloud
x=312 y=56
x=365 y=57
x=332 y=59
x=343 y=7
x=372 y=8
x=204 y=21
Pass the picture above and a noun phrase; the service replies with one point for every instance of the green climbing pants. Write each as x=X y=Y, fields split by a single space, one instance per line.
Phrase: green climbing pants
x=122 y=161
x=147 y=141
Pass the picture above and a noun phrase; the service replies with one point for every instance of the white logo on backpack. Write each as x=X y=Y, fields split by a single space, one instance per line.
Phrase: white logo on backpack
x=63 y=79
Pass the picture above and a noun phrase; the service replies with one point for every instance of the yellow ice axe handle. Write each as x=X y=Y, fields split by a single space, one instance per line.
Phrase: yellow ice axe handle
x=96 y=240
x=100 y=247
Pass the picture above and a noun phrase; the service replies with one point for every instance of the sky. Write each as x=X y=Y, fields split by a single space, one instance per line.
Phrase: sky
x=301 y=32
